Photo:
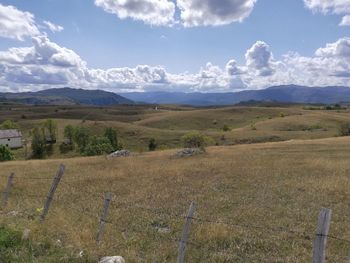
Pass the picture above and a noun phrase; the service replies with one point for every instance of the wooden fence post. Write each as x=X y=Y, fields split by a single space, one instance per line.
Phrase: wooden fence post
x=319 y=249
x=107 y=201
x=6 y=192
x=185 y=234
x=52 y=190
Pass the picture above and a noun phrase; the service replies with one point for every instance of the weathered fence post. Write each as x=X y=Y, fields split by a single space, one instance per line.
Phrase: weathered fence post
x=185 y=234
x=6 y=192
x=52 y=190
x=319 y=249
x=107 y=201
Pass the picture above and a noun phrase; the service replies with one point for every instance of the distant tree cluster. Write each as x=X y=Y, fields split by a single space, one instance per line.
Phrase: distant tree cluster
x=43 y=139
x=79 y=138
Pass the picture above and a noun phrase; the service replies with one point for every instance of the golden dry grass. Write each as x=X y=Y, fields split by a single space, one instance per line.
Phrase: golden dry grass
x=268 y=185
x=136 y=125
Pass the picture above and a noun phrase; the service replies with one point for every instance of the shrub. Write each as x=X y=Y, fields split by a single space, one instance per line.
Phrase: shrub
x=195 y=140
x=152 y=145
x=98 y=146
x=253 y=127
x=5 y=154
x=226 y=128
x=38 y=143
x=344 y=129
x=282 y=115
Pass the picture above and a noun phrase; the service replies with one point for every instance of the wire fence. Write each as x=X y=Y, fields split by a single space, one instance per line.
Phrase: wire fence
x=179 y=217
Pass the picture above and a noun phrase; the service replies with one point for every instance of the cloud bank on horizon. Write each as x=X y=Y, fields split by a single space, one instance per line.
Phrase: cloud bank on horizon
x=46 y=64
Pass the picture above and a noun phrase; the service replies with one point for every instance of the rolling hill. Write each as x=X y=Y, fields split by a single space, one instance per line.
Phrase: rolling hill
x=66 y=96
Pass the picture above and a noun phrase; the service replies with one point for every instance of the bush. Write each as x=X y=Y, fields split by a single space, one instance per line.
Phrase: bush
x=344 y=129
x=5 y=154
x=195 y=140
x=152 y=145
x=98 y=146
x=226 y=128
x=252 y=126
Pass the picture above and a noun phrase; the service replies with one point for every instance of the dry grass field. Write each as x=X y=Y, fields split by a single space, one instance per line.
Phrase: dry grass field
x=255 y=191
x=137 y=124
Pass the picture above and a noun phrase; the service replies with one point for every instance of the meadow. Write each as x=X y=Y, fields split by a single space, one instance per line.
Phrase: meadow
x=257 y=200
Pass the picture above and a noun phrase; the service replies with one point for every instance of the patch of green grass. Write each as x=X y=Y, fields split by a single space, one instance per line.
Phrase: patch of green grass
x=15 y=250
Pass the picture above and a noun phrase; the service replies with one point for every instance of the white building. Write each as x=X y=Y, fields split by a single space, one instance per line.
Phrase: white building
x=11 y=138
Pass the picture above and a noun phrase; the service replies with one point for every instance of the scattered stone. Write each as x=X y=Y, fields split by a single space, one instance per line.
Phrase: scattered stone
x=121 y=153
x=26 y=233
x=13 y=213
x=58 y=242
x=163 y=230
x=114 y=259
x=189 y=152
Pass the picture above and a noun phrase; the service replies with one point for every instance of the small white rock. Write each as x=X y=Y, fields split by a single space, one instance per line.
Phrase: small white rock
x=114 y=259
x=26 y=233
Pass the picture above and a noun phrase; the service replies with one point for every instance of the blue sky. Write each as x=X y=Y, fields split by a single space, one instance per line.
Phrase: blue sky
x=183 y=57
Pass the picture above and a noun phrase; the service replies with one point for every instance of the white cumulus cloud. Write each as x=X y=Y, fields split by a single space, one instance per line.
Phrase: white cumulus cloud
x=259 y=59
x=152 y=12
x=16 y=24
x=328 y=6
x=213 y=12
x=46 y=64
x=338 y=7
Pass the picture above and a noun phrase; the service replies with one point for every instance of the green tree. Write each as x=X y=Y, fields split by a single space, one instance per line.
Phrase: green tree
x=111 y=135
x=81 y=137
x=152 y=145
x=5 y=154
x=98 y=146
x=38 y=143
x=8 y=125
x=69 y=133
x=50 y=131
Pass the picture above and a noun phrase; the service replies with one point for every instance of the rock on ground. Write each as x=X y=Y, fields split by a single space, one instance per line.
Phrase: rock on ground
x=114 y=259
x=121 y=153
x=189 y=152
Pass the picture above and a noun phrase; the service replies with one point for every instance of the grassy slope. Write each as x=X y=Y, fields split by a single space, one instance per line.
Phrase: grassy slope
x=137 y=124
x=271 y=185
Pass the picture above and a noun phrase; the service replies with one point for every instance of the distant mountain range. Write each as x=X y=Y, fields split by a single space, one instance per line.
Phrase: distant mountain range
x=282 y=94
x=65 y=96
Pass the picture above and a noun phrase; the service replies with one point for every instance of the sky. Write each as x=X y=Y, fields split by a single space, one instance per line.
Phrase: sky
x=173 y=45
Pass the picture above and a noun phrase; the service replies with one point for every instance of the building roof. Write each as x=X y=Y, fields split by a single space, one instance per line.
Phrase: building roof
x=5 y=134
